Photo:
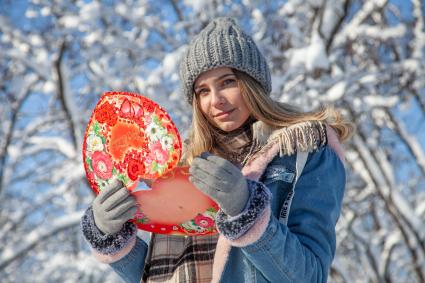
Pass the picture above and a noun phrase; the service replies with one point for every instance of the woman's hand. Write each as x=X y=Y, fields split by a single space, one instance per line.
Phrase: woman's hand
x=222 y=181
x=113 y=207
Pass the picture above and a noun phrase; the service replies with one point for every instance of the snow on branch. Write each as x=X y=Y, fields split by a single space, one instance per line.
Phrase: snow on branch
x=364 y=12
x=37 y=236
x=377 y=32
x=50 y=143
x=418 y=43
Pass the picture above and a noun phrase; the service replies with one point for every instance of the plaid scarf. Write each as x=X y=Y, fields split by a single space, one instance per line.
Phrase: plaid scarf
x=236 y=146
x=190 y=259
x=180 y=259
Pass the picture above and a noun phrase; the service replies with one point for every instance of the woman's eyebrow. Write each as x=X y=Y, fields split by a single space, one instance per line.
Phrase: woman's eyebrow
x=218 y=79
x=225 y=75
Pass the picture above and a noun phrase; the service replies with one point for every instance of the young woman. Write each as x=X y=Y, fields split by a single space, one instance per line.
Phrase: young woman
x=276 y=173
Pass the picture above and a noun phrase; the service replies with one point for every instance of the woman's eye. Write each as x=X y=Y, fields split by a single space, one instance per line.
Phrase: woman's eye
x=202 y=91
x=228 y=81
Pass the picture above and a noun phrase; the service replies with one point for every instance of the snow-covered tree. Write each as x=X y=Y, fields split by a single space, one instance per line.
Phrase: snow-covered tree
x=57 y=58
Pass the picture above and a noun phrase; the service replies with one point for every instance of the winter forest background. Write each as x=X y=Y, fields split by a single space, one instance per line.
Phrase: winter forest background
x=57 y=58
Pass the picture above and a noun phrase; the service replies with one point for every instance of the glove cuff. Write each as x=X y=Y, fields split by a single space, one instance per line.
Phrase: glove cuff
x=233 y=227
x=106 y=243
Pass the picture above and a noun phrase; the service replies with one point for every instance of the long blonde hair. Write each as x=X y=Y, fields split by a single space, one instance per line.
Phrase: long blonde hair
x=262 y=108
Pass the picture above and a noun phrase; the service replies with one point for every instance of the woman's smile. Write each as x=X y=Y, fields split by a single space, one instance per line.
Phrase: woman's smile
x=224 y=115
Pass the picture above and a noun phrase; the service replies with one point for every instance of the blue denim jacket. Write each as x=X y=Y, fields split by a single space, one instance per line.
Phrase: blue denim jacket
x=302 y=250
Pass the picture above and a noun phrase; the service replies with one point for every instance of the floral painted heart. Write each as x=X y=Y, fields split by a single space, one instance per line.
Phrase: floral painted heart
x=130 y=137
x=174 y=206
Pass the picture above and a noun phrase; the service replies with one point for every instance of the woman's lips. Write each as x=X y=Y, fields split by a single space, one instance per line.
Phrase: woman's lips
x=223 y=115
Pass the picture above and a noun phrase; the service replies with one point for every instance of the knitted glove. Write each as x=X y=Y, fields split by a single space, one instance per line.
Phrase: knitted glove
x=220 y=180
x=113 y=207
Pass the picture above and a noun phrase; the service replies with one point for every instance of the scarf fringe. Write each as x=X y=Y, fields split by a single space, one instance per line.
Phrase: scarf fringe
x=304 y=136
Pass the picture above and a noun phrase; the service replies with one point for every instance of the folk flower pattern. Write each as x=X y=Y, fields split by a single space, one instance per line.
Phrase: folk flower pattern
x=102 y=165
x=160 y=154
x=133 y=111
x=135 y=169
x=155 y=131
x=94 y=143
x=167 y=142
x=203 y=221
x=149 y=106
x=141 y=217
x=107 y=114
x=191 y=227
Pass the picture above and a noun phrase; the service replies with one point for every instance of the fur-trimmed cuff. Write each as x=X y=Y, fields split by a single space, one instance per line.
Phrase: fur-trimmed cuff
x=105 y=243
x=233 y=227
x=111 y=258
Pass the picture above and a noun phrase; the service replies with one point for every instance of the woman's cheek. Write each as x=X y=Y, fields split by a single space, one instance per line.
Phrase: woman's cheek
x=204 y=105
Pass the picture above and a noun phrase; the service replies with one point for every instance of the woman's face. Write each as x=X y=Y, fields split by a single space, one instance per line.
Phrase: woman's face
x=220 y=98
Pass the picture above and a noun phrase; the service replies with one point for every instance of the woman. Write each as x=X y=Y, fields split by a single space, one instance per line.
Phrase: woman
x=276 y=173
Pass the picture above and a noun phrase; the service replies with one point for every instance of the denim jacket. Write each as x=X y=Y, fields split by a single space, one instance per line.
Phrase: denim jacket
x=266 y=250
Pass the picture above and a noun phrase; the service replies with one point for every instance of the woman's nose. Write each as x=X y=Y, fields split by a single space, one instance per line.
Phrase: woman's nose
x=217 y=97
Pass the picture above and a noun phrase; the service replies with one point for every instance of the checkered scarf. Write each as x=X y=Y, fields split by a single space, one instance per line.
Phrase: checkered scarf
x=180 y=259
x=236 y=146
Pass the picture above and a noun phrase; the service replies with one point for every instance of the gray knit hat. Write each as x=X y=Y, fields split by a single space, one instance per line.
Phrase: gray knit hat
x=222 y=44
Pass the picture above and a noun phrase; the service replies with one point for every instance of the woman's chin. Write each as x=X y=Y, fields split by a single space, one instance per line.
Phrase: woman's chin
x=228 y=126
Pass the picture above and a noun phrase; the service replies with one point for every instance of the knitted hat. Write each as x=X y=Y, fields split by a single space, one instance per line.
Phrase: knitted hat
x=222 y=43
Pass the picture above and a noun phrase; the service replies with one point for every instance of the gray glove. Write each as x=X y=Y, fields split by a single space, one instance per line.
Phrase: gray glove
x=220 y=180
x=113 y=207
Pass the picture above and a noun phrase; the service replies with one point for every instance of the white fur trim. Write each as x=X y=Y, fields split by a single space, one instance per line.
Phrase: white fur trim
x=110 y=258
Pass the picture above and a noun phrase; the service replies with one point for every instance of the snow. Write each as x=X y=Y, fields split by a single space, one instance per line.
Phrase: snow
x=197 y=6
x=368 y=79
x=315 y=3
x=378 y=33
x=39 y=67
x=54 y=143
x=121 y=9
x=70 y=21
x=31 y=14
x=381 y=100
x=297 y=56
x=89 y=10
x=45 y=11
x=287 y=9
x=336 y=92
x=170 y=64
x=360 y=17
x=259 y=25
x=419 y=41
x=414 y=145
x=312 y=57
x=35 y=40
x=37 y=235
x=334 y=10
